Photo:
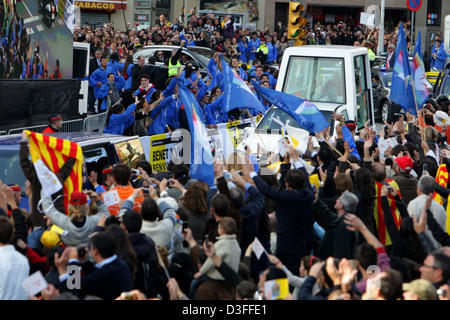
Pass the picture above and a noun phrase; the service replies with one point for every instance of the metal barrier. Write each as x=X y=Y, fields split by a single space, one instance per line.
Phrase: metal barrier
x=67 y=126
x=95 y=123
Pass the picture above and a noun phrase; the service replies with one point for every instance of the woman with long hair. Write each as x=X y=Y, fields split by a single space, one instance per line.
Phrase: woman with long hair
x=364 y=189
x=124 y=250
x=193 y=205
x=126 y=71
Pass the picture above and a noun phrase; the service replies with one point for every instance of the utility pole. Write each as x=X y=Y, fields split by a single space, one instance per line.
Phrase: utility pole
x=381 y=33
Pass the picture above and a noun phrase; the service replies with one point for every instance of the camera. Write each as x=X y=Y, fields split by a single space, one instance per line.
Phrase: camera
x=227 y=176
x=441 y=292
x=185 y=225
x=390 y=189
x=169 y=183
x=81 y=251
x=146 y=191
x=135 y=171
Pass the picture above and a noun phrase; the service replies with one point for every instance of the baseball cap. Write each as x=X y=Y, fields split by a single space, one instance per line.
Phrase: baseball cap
x=78 y=197
x=50 y=239
x=423 y=289
x=54 y=117
x=405 y=163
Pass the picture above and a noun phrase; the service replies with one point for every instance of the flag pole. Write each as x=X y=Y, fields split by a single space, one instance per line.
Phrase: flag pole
x=257 y=131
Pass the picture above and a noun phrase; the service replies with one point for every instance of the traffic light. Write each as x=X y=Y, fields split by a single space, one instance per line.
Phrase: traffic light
x=297 y=21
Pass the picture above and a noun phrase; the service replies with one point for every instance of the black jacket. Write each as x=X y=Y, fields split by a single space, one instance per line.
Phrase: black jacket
x=338 y=241
x=107 y=282
x=295 y=220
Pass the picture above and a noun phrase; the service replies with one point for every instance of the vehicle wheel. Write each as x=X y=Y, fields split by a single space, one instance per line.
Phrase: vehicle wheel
x=387 y=113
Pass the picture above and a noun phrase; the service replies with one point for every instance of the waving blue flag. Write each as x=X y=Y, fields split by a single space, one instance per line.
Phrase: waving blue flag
x=305 y=112
x=237 y=93
x=201 y=165
x=401 y=87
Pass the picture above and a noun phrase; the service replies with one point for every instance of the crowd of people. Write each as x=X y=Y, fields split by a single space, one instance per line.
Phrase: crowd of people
x=350 y=219
x=361 y=215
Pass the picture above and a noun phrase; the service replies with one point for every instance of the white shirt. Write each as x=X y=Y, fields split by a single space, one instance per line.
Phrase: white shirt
x=14 y=268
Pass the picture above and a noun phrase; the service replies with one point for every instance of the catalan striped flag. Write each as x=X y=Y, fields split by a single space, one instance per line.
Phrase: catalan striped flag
x=442 y=180
x=383 y=234
x=48 y=152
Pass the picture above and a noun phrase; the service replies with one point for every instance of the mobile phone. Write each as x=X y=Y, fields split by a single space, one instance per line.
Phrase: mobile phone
x=169 y=183
x=185 y=225
x=390 y=189
x=425 y=167
x=146 y=191
x=207 y=240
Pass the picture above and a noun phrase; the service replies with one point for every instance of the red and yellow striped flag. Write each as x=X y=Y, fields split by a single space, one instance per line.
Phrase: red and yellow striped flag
x=442 y=179
x=383 y=234
x=54 y=152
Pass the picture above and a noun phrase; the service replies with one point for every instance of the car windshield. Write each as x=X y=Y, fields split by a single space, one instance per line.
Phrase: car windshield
x=10 y=170
x=446 y=86
x=387 y=78
x=275 y=117
x=316 y=79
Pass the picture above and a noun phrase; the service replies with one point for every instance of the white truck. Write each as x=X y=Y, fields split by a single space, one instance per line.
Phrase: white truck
x=334 y=78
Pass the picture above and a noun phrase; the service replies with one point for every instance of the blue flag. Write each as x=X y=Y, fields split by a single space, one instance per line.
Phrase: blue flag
x=306 y=113
x=418 y=73
x=237 y=93
x=401 y=87
x=201 y=165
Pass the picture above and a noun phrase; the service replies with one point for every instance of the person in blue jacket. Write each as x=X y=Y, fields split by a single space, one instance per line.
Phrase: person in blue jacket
x=114 y=63
x=111 y=90
x=214 y=109
x=99 y=77
x=235 y=65
x=438 y=56
x=253 y=45
x=119 y=118
x=243 y=49
x=272 y=55
x=158 y=124
x=126 y=72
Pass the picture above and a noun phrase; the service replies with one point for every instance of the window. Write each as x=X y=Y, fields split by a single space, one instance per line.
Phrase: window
x=362 y=93
x=434 y=12
x=316 y=79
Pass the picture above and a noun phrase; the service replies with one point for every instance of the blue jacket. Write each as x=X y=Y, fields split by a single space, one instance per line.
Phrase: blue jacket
x=159 y=123
x=438 y=63
x=129 y=79
x=99 y=75
x=103 y=92
x=119 y=122
x=243 y=74
x=243 y=51
x=115 y=66
x=216 y=112
x=272 y=56
x=253 y=45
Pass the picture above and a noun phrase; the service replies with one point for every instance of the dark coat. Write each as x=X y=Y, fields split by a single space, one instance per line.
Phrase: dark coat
x=295 y=220
x=338 y=241
x=107 y=282
x=407 y=185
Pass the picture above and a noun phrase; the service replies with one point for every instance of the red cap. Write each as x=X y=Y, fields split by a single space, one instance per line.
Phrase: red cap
x=405 y=163
x=78 y=197
x=107 y=170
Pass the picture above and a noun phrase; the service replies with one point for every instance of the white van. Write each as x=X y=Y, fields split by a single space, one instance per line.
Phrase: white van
x=334 y=78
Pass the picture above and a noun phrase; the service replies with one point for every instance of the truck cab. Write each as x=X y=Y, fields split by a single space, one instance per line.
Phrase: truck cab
x=334 y=78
